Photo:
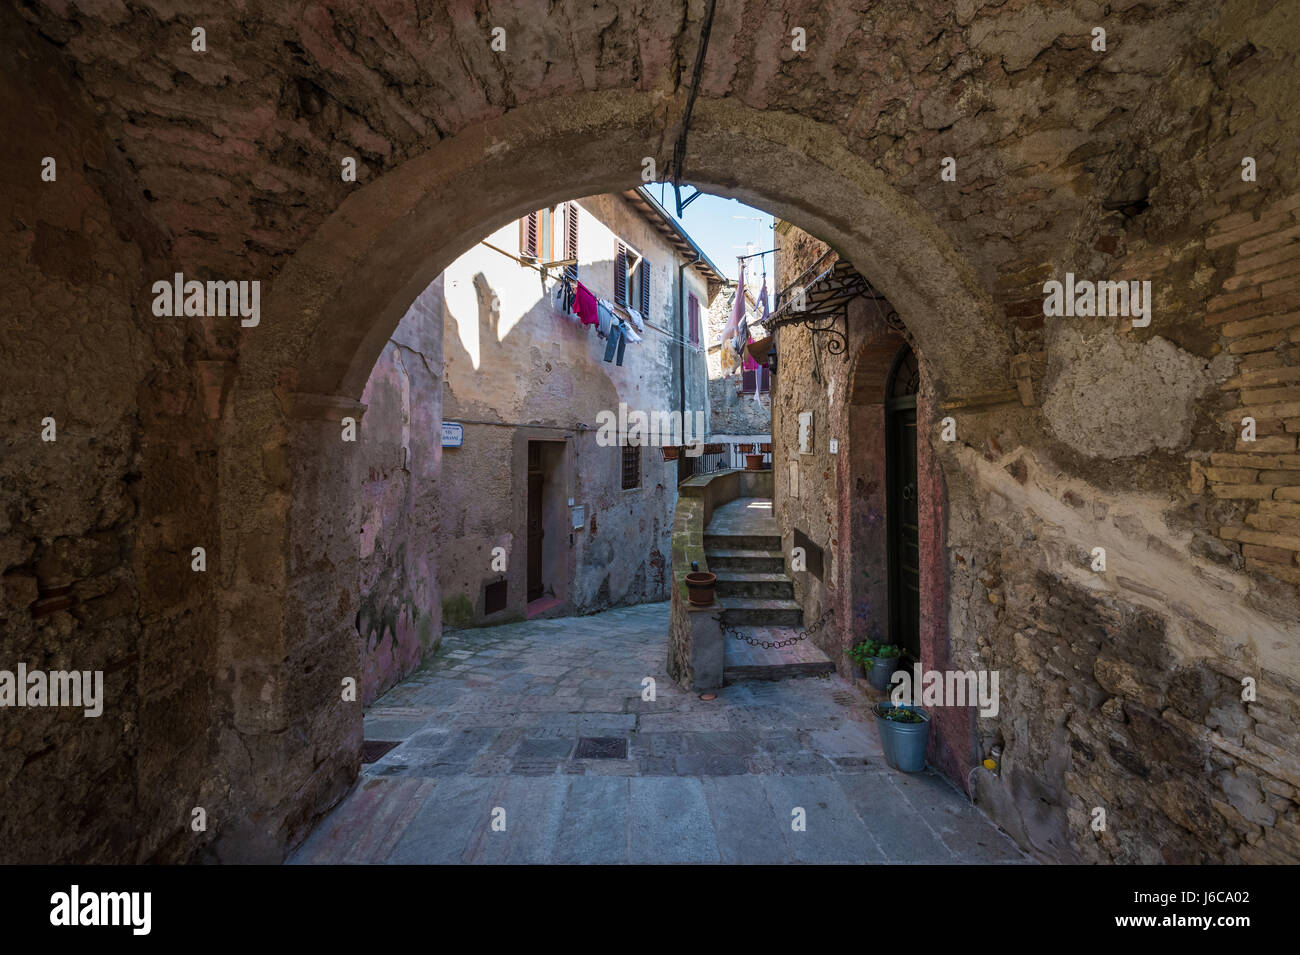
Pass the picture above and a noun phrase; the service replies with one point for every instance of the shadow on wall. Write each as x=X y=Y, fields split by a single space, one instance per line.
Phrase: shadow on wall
x=543 y=374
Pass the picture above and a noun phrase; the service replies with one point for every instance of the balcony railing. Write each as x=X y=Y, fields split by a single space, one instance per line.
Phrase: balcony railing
x=725 y=454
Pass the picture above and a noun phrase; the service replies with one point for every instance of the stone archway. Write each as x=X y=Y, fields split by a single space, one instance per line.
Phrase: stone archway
x=289 y=511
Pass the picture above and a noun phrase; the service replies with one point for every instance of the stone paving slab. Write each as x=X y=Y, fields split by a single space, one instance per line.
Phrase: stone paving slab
x=703 y=781
x=744 y=516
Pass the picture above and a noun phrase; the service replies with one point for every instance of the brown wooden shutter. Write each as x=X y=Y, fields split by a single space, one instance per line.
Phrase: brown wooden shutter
x=645 y=290
x=693 y=313
x=571 y=239
x=620 y=273
x=528 y=235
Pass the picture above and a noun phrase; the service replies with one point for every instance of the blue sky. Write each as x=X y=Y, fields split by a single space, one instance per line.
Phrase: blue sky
x=712 y=222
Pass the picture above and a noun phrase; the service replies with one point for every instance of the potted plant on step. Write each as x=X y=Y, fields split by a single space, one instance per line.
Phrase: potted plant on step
x=882 y=668
x=700 y=586
x=904 y=733
x=862 y=654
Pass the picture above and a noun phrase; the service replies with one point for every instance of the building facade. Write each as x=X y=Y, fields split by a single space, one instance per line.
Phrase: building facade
x=541 y=513
x=740 y=402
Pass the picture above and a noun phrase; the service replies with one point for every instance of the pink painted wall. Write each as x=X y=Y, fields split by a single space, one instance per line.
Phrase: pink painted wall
x=400 y=438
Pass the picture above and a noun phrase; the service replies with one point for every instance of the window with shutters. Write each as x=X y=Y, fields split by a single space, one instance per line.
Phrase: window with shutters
x=537 y=235
x=631 y=279
x=693 y=317
x=571 y=238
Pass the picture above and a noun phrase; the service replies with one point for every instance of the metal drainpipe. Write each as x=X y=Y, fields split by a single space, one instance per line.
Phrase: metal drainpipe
x=681 y=337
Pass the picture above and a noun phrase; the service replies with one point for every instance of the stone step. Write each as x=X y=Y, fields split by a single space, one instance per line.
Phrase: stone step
x=714 y=541
x=749 y=583
x=762 y=561
x=745 y=662
x=760 y=612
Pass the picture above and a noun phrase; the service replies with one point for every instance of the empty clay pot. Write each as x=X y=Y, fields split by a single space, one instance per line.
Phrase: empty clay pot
x=699 y=587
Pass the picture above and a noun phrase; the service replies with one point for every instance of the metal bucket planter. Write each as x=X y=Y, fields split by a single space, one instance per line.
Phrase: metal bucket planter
x=699 y=587
x=903 y=744
x=881 y=670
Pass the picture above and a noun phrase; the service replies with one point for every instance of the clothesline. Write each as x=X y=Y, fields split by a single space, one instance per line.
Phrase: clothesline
x=675 y=339
x=545 y=272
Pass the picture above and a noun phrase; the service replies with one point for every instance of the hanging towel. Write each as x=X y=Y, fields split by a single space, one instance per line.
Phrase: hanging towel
x=737 y=307
x=584 y=303
x=631 y=335
x=637 y=322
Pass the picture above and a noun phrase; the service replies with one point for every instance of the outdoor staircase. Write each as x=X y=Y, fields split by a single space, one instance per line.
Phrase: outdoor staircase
x=743 y=547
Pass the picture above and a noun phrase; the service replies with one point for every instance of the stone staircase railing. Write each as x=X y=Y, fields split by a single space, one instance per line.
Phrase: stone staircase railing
x=695 y=639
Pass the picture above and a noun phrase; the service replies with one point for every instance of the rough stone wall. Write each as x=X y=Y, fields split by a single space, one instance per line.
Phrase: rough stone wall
x=98 y=525
x=400 y=618
x=1066 y=159
x=1122 y=688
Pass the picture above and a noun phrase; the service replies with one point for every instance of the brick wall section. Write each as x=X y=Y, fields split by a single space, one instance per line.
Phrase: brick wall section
x=1257 y=314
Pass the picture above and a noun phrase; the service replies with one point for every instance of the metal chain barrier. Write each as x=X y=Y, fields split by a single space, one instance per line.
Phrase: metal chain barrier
x=804 y=634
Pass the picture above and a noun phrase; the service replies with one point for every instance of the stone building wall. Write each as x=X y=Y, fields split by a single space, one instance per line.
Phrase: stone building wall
x=400 y=616
x=226 y=165
x=98 y=525
x=1159 y=688
x=731 y=411
x=526 y=372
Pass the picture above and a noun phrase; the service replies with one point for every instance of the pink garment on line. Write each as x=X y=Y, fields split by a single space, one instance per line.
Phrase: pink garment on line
x=584 y=304
x=749 y=364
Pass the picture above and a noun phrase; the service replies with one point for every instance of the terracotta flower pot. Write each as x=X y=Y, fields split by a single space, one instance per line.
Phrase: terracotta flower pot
x=753 y=462
x=699 y=587
x=670 y=454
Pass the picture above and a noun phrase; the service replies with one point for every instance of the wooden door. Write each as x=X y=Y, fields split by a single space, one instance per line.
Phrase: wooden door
x=535 y=485
x=904 y=525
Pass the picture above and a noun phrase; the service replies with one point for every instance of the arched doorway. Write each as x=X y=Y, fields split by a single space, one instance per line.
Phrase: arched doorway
x=289 y=514
x=903 y=521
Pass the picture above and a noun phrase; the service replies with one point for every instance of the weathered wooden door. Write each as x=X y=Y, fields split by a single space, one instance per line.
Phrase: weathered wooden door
x=535 y=484
x=903 y=525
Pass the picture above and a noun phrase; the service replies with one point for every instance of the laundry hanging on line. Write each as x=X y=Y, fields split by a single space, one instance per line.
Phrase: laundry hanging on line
x=617 y=341
x=584 y=303
x=562 y=298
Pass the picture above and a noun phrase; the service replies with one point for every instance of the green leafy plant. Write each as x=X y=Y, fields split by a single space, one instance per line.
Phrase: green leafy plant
x=900 y=714
x=863 y=652
x=888 y=651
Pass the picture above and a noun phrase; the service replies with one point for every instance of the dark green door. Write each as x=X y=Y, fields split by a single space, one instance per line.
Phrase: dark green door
x=903 y=525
